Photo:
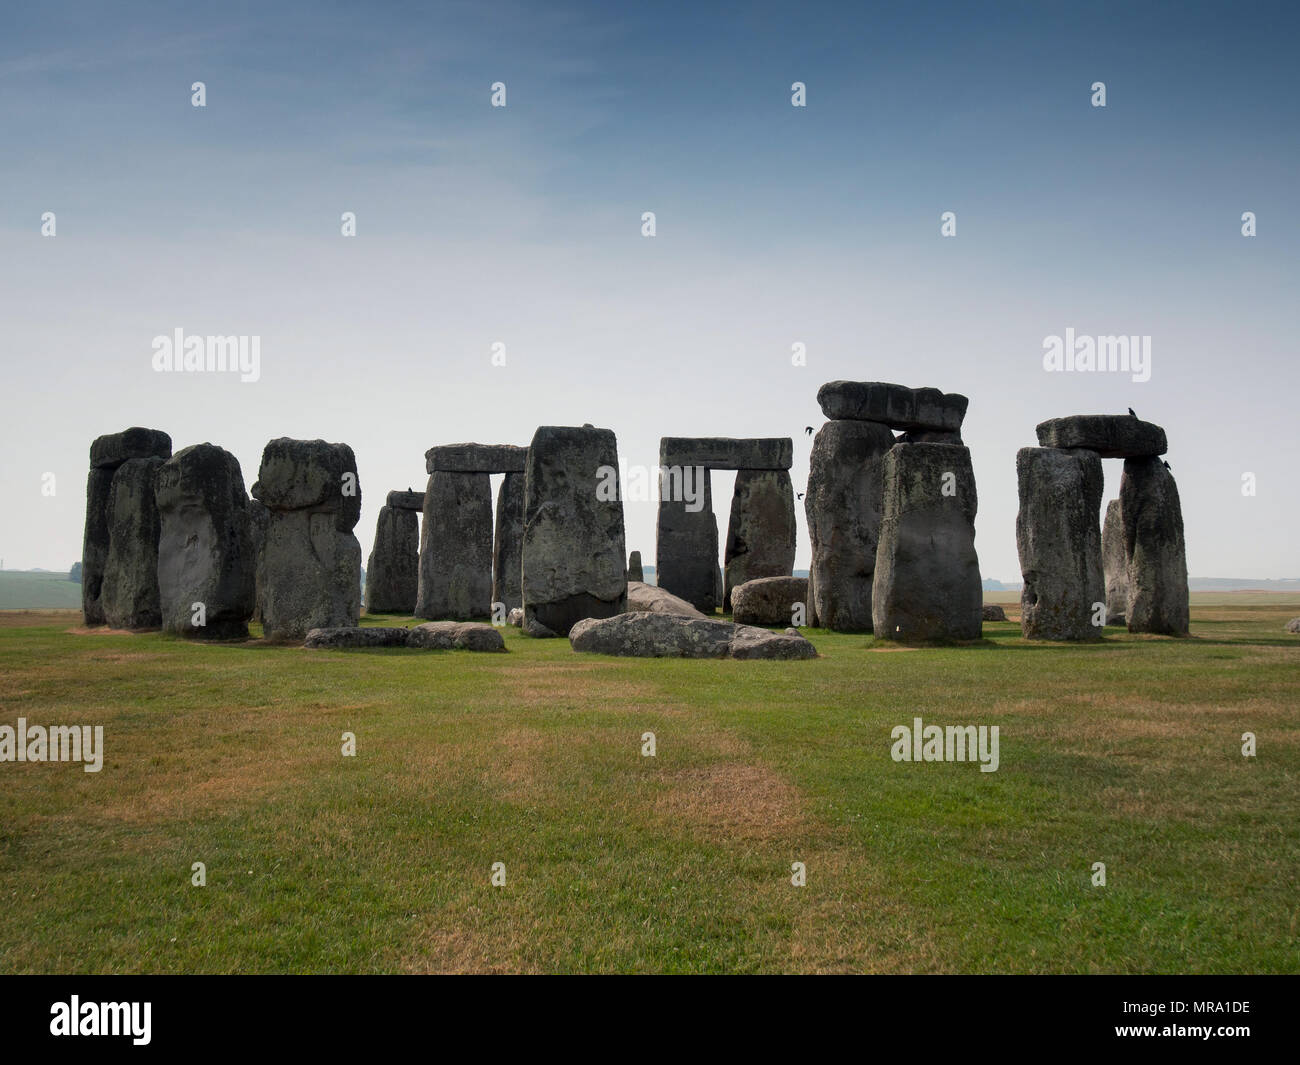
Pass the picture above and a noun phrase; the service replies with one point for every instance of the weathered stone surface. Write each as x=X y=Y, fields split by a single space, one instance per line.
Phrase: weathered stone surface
x=508 y=543
x=259 y=519
x=516 y=617
x=456 y=547
x=930 y=436
x=843 y=505
x=769 y=600
x=647 y=635
x=475 y=458
x=727 y=453
x=310 y=561
x=574 y=549
x=407 y=500
x=431 y=636
x=1114 y=564
x=393 y=569
x=896 y=406
x=94 y=544
x=647 y=598
x=205 y=545
x=635 y=571
x=761 y=531
x=686 y=539
x=1293 y=625
x=993 y=612
x=1058 y=536
x=109 y=452
x=129 y=593
x=927 y=579
x=1112 y=436
x=1152 y=518
x=456 y=635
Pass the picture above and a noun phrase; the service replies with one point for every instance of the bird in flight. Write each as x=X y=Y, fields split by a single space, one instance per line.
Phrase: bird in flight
x=799 y=495
x=808 y=429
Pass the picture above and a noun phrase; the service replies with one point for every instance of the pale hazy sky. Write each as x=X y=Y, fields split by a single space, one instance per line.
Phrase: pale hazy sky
x=776 y=225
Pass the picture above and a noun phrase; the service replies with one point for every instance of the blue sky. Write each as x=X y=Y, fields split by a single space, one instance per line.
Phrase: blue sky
x=775 y=225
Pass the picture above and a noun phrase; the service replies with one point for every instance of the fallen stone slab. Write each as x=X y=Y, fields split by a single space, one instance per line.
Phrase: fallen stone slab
x=769 y=600
x=648 y=598
x=109 y=452
x=993 y=612
x=431 y=636
x=646 y=635
x=475 y=458
x=1112 y=436
x=727 y=453
x=408 y=500
x=896 y=406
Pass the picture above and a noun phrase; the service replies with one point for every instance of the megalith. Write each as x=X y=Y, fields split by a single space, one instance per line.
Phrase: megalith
x=761 y=532
x=508 y=543
x=686 y=536
x=574 y=565
x=206 y=560
x=107 y=454
x=455 y=582
x=129 y=593
x=1058 y=537
x=393 y=568
x=1152 y=518
x=1114 y=564
x=926 y=583
x=259 y=518
x=843 y=506
x=635 y=571
x=311 y=561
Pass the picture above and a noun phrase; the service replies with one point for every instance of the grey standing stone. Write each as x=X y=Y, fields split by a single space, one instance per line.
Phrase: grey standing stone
x=311 y=561
x=205 y=546
x=1114 y=564
x=129 y=594
x=1293 y=625
x=1152 y=514
x=761 y=531
x=686 y=538
x=1058 y=536
x=635 y=571
x=574 y=561
x=107 y=453
x=259 y=519
x=508 y=543
x=927 y=579
x=456 y=548
x=843 y=505
x=393 y=569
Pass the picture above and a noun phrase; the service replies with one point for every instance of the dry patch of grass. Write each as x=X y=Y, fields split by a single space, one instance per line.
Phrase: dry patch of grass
x=732 y=800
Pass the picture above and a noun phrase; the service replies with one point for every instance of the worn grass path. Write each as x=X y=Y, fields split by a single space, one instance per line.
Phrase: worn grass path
x=1127 y=752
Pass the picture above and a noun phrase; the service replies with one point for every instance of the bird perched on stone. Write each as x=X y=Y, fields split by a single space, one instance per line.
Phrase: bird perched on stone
x=1132 y=412
x=1169 y=468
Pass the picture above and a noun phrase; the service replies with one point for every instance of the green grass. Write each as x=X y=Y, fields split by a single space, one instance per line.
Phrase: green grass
x=1125 y=752
x=21 y=590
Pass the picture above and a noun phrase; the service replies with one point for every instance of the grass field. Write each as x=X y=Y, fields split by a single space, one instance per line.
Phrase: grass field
x=1126 y=752
x=24 y=589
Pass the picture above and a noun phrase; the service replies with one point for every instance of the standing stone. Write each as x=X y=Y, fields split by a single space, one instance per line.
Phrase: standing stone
x=1152 y=518
x=259 y=519
x=311 y=561
x=635 y=571
x=508 y=543
x=205 y=548
x=107 y=453
x=1114 y=564
x=927 y=579
x=456 y=548
x=761 y=531
x=843 y=506
x=1058 y=536
x=686 y=536
x=393 y=568
x=129 y=594
x=574 y=565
